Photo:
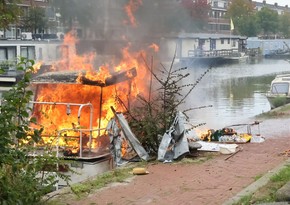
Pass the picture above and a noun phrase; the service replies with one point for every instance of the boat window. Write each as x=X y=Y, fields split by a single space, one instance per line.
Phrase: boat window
x=8 y=53
x=212 y=44
x=3 y=54
x=11 y=51
x=234 y=43
x=40 y=54
x=27 y=52
x=280 y=88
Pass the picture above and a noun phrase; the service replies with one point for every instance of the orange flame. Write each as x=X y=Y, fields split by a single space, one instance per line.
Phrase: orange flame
x=66 y=114
x=155 y=47
x=130 y=9
x=37 y=66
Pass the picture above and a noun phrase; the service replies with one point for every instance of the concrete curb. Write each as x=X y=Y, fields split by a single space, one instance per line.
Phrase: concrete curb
x=257 y=184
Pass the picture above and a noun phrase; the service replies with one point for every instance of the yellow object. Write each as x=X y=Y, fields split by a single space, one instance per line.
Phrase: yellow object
x=140 y=171
x=246 y=137
x=232 y=25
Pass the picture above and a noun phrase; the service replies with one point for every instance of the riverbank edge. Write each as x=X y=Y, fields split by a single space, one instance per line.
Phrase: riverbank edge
x=252 y=188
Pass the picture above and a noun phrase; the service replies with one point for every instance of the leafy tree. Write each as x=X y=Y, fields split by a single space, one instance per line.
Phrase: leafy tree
x=247 y=25
x=243 y=15
x=284 y=26
x=36 y=20
x=198 y=10
x=239 y=8
x=267 y=19
x=24 y=176
x=9 y=13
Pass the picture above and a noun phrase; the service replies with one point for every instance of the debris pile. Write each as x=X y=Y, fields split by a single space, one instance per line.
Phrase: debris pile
x=119 y=133
x=230 y=135
x=179 y=141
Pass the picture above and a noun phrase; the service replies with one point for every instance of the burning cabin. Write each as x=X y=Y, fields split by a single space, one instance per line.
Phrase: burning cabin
x=74 y=111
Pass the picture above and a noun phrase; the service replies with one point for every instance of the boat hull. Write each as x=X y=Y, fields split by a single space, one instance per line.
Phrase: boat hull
x=278 y=100
x=203 y=61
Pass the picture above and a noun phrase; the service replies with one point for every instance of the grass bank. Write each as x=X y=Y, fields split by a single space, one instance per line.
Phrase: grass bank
x=267 y=193
x=280 y=112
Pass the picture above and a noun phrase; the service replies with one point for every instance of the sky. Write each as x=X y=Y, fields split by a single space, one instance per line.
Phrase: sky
x=280 y=2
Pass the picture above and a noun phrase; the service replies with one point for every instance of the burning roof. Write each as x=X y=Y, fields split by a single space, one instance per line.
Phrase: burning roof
x=73 y=77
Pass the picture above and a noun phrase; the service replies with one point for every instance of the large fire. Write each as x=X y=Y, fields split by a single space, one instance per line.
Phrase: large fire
x=57 y=105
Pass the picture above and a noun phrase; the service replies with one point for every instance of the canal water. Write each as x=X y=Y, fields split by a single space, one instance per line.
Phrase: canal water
x=236 y=92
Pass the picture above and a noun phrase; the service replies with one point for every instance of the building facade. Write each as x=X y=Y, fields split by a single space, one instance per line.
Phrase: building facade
x=218 y=23
x=108 y=25
x=281 y=9
x=15 y=31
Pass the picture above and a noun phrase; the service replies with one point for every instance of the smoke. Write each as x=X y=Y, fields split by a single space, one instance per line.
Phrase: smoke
x=139 y=23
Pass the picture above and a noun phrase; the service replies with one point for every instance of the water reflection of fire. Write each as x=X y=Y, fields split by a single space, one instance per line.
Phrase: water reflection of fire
x=61 y=113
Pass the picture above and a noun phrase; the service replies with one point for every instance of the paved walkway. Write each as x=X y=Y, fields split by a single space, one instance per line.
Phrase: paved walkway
x=214 y=181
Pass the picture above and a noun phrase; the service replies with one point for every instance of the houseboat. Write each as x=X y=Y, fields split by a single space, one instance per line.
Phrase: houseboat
x=279 y=93
x=204 y=49
x=270 y=48
x=38 y=50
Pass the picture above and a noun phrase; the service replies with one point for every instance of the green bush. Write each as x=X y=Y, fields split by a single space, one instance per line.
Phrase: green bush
x=24 y=177
x=279 y=101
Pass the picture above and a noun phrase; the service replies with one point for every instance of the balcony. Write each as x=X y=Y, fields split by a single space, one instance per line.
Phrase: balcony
x=218 y=21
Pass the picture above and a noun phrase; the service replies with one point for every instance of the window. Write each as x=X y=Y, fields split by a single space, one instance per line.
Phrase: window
x=222 y=41
x=3 y=54
x=8 y=53
x=234 y=43
x=216 y=14
x=7 y=57
x=27 y=52
x=229 y=41
x=224 y=27
x=40 y=54
x=212 y=44
x=280 y=88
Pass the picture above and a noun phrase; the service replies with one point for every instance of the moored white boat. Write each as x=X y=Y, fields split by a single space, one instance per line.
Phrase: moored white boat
x=279 y=93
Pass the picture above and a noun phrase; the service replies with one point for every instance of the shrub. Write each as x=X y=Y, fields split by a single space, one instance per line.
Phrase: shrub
x=24 y=177
x=155 y=114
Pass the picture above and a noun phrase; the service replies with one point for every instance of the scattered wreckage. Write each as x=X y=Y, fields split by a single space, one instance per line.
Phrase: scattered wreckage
x=116 y=135
x=178 y=141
